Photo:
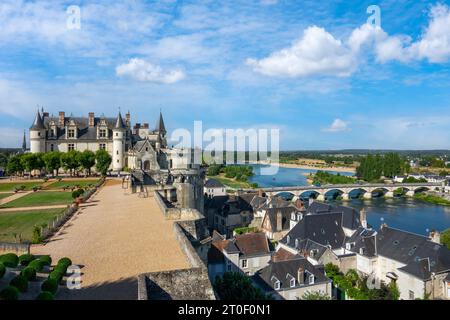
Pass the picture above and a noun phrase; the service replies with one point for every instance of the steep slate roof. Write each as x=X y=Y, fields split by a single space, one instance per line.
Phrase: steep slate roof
x=38 y=123
x=283 y=271
x=365 y=239
x=325 y=229
x=286 y=212
x=216 y=202
x=257 y=202
x=249 y=244
x=160 y=124
x=119 y=122
x=213 y=183
x=215 y=252
x=421 y=255
x=350 y=215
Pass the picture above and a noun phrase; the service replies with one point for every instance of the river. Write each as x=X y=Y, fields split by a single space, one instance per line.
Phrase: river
x=402 y=213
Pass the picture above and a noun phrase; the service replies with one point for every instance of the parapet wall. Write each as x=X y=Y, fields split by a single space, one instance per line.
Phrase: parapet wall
x=17 y=248
x=182 y=284
x=173 y=213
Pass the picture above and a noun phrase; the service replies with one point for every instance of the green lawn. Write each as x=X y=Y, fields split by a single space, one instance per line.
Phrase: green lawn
x=5 y=195
x=232 y=183
x=23 y=222
x=9 y=186
x=71 y=183
x=40 y=198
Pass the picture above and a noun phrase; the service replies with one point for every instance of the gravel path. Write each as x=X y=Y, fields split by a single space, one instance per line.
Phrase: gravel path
x=115 y=237
x=14 y=197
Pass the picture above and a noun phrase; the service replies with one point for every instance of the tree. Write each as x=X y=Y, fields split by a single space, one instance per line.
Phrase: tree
x=69 y=161
x=103 y=161
x=3 y=160
x=52 y=161
x=14 y=165
x=237 y=286
x=32 y=161
x=86 y=159
x=445 y=238
x=315 y=296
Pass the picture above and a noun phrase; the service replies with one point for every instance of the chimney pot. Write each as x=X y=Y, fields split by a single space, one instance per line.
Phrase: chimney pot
x=301 y=276
x=363 y=217
x=62 y=116
x=91 y=119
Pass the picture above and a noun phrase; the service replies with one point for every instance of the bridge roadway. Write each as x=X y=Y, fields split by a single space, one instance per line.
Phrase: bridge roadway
x=345 y=189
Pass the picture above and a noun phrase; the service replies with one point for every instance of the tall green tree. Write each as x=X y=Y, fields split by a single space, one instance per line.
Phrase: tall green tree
x=32 y=161
x=103 y=161
x=86 y=159
x=52 y=161
x=15 y=166
x=69 y=161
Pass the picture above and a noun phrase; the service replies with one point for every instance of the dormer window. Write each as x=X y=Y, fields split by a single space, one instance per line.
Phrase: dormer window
x=277 y=285
x=288 y=239
x=311 y=279
x=292 y=283
x=102 y=133
x=71 y=133
x=296 y=243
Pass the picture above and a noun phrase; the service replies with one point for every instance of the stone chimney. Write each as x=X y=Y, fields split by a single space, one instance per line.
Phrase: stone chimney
x=363 y=217
x=260 y=193
x=279 y=221
x=435 y=236
x=301 y=276
x=128 y=119
x=91 y=119
x=62 y=118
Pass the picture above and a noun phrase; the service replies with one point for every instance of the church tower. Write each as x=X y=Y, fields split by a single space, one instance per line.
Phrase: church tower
x=24 y=142
x=161 y=130
x=37 y=135
x=118 y=144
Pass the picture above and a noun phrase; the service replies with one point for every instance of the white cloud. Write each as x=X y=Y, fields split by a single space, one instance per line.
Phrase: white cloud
x=338 y=125
x=317 y=52
x=143 y=71
x=11 y=137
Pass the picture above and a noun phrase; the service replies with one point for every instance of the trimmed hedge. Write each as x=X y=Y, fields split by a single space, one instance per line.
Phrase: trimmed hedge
x=46 y=259
x=45 y=295
x=9 y=293
x=37 y=264
x=66 y=262
x=9 y=260
x=50 y=285
x=56 y=275
x=29 y=273
x=2 y=270
x=25 y=259
x=20 y=282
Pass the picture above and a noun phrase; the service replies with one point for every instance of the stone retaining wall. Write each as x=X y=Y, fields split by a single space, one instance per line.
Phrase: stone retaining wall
x=17 y=248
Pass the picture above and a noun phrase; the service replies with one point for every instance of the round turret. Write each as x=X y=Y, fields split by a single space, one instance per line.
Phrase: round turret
x=37 y=135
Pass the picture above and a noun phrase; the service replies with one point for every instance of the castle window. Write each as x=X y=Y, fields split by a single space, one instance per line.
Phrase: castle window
x=102 y=133
x=102 y=146
x=51 y=147
x=70 y=147
x=71 y=133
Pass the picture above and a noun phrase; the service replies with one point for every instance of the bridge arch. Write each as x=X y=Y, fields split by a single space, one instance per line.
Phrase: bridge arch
x=333 y=193
x=357 y=192
x=307 y=194
x=379 y=192
x=286 y=195
x=421 y=189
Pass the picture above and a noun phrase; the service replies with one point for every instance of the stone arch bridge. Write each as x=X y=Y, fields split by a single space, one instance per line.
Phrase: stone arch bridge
x=344 y=190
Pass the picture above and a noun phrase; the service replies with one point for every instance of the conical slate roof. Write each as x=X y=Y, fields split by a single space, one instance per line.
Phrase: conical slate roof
x=38 y=123
x=119 y=123
x=160 y=125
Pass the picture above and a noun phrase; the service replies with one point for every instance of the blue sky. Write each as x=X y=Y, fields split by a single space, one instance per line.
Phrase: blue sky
x=316 y=70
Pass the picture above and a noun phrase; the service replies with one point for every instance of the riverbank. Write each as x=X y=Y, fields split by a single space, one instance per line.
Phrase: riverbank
x=433 y=199
x=232 y=183
x=311 y=167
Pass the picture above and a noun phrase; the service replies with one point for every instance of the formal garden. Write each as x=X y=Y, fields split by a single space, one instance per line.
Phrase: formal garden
x=28 y=277
x=37 y=210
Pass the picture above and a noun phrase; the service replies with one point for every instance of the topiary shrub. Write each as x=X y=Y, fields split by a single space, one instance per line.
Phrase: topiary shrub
x=45 y=295
x=9 y=293
x=37 y=264
x=66 y=262
x=46 y=259
x=56 y=275
x=9 y=260
x=2 y=270
x=29 y=273
x=50 y=285
x=25 y=259
x=20 y=282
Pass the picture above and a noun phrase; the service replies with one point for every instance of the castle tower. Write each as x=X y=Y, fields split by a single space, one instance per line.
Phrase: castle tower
x=37 y=135
x=118 y=144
